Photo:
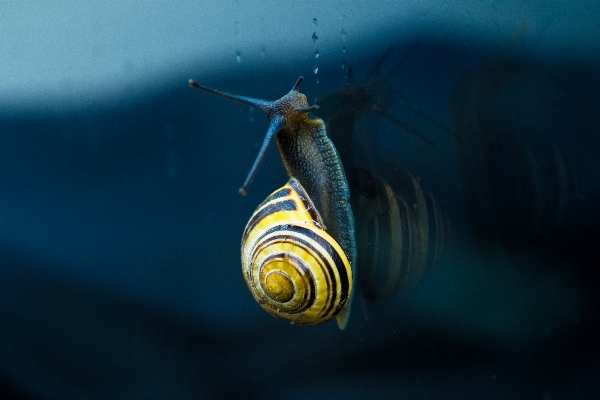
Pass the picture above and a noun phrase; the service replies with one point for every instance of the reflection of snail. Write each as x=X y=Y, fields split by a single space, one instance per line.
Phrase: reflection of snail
x=316 y=199
x=401 y=232
x=517 y=184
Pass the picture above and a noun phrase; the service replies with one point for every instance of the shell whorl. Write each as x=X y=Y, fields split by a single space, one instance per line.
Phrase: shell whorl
x=293 y=267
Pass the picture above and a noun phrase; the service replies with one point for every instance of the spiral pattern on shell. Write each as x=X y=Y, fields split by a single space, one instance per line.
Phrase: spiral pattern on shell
x=295 y=270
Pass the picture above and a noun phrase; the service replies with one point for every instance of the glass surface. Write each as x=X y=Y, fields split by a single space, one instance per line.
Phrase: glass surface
x=468 y=134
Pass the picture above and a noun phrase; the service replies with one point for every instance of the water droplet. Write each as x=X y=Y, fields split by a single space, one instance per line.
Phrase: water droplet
x=262 y=52
x=316 y=53
x=343 y=33
x=317 y=83
x=344 y=49
x=343 y=64
x=238 y=56
x=315 y=38
x=315 y=21
x=315 y=69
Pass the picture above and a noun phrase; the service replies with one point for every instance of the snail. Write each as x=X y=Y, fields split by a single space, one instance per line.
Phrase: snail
x=312 y=210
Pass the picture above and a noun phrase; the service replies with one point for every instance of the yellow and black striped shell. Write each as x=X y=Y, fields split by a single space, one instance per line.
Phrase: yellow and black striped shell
x=295 y=270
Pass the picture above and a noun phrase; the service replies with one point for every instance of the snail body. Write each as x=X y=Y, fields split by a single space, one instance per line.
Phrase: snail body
x=312 y=161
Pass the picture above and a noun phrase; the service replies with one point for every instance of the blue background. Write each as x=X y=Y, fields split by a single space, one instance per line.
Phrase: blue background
x=120 y=220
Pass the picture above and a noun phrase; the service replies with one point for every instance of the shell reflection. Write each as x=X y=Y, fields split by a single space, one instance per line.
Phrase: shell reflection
x=516 y=183
x=401 y=231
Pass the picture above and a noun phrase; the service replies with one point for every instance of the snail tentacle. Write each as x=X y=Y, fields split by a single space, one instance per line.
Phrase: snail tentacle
x=276 y=125
x=249 y=101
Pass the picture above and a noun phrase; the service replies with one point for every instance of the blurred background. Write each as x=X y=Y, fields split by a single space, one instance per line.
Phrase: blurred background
x=120 y=222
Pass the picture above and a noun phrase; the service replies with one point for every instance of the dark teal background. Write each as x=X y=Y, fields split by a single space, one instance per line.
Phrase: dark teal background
x=120 y=264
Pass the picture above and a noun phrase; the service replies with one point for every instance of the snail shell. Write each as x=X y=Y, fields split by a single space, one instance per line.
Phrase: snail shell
x=294 y=269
